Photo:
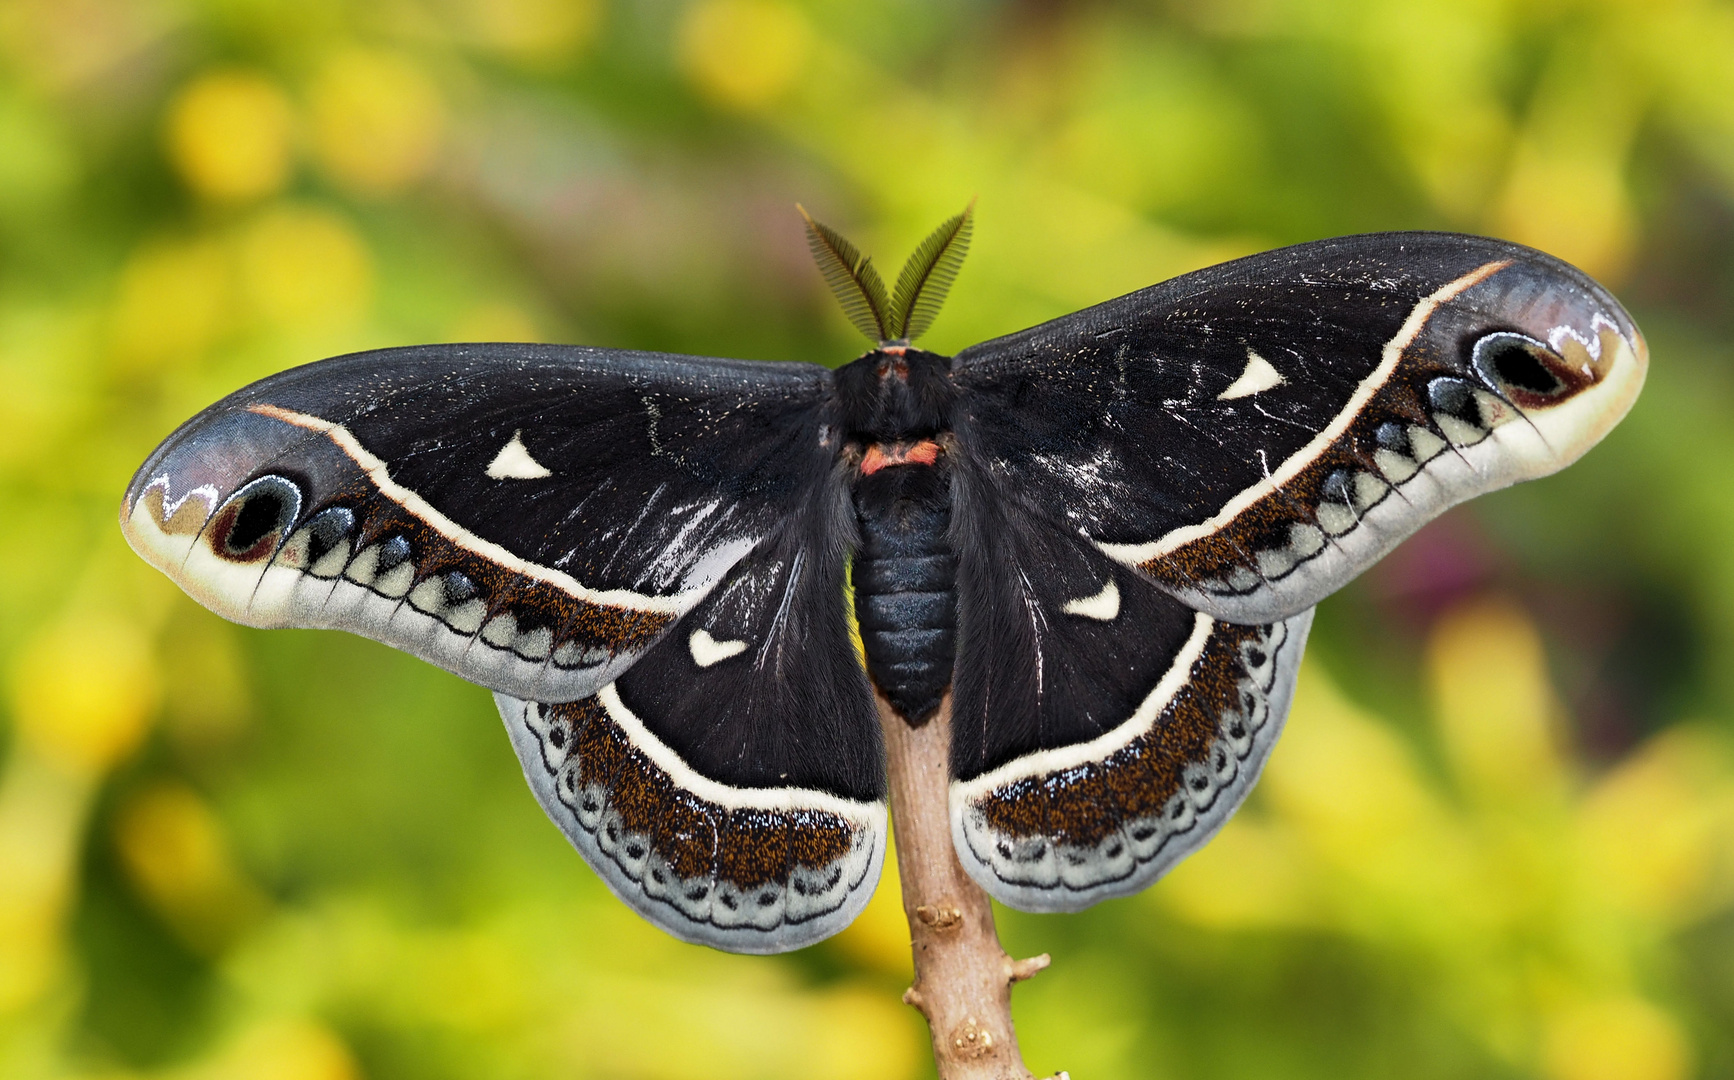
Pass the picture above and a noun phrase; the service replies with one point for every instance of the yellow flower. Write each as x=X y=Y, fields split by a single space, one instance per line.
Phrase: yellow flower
x=306 y=267
x=535 y=31
x=282 y=1049
x=377 y=121
x=85 y=690
x=229 y=135
x=173 y=302
x=174 y=850
x=1496 y=711
x=1658 y=831
x=744 y=53
x=1616 y=1038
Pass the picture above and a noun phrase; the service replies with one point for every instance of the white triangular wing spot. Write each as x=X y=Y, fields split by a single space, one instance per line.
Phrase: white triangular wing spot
x=1104 y=606
x=707 y=650
x=1259 y=375
x=514 y=462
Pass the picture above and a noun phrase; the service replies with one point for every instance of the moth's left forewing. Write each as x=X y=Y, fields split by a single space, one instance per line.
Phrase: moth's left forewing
x=529 y=517
x=1254 y=435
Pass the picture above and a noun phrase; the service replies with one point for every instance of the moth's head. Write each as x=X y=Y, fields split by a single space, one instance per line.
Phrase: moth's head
x=1542 y=343
x=896 y=392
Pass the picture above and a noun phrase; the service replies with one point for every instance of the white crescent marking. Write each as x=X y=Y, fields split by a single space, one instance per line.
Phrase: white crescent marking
x=707 y=650
x=1258 y=376
x=869 y=815
x=514 y=462
x=1136 y=554
x=1104 y=606
x=1059 y=758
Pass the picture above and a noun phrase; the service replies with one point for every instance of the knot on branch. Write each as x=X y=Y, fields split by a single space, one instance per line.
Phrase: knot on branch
x=970 y=1040
x=940 y=917
x=1019 y=970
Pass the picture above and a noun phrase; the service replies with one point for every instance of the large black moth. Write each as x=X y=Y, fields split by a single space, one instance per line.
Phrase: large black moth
x=1102 y=536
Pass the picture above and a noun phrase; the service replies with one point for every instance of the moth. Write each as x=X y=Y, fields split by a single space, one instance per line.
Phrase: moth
x=1100 y=538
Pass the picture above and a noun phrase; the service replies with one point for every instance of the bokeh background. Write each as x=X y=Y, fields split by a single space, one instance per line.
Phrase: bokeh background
x=1496 y=841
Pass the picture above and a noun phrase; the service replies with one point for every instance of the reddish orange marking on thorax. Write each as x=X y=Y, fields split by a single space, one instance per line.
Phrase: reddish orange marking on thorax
x=925 y=452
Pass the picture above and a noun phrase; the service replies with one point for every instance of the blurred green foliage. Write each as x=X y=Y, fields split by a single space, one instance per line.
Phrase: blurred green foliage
x=1496 y=841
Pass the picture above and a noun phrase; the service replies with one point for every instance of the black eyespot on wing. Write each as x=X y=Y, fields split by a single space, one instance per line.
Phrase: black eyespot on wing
x=249 y=526
x=1516 y=361
x=258 y=517
x=1532 y=374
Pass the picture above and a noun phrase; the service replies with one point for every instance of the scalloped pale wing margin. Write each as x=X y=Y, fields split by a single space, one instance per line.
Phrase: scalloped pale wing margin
x=747 y=870
x=1062 y=829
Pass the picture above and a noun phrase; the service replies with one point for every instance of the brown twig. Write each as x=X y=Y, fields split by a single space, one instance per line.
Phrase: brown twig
x=963 y=978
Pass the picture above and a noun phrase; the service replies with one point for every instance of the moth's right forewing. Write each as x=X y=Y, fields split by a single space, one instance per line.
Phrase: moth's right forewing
x=1253 y=435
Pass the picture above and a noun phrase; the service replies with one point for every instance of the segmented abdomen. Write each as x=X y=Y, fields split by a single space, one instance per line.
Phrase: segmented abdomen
x=905 y=578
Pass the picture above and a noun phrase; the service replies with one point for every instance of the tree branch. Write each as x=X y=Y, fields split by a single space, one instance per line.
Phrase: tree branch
x=963 y=978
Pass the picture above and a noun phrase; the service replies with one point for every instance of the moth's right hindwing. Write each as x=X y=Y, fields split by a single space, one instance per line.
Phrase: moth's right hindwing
x=1101 y=730
x=731 y=785
x=530 y=517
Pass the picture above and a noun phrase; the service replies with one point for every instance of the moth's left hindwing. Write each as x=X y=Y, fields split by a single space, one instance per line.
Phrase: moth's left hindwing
x=532 y=518
x=730 y=786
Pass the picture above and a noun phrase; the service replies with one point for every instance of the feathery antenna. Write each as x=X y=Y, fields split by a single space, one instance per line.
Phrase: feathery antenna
x=927 y=276
x=852 y=278
x=921 y=286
